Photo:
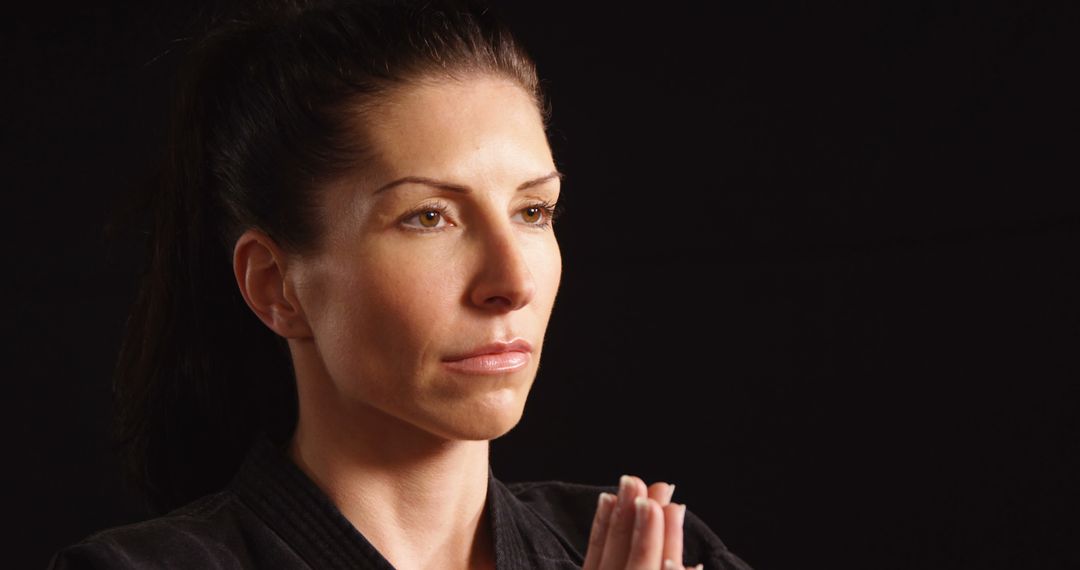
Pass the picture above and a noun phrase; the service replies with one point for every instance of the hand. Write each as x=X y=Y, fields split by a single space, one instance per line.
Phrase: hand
x=638 y=530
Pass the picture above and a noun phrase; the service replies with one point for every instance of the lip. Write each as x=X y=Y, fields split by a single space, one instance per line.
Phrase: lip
x=497 y=347
x=493 y=358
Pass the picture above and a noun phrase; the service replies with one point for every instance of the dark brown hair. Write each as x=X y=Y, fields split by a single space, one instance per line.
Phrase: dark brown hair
x=258 y=124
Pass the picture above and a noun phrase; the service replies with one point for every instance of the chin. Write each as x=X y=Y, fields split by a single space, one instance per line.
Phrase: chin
x=485 y=420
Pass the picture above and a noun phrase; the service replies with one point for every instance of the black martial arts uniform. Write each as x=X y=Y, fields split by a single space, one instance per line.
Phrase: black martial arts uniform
x=273 y=516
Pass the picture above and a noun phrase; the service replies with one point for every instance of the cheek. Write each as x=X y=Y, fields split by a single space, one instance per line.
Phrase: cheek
x=404 y=306
x=547 y=271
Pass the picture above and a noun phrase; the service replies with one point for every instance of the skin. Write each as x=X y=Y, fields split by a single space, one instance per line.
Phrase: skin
x=398 y=441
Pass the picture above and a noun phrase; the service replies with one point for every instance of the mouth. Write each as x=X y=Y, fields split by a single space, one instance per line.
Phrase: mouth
x=496 y=357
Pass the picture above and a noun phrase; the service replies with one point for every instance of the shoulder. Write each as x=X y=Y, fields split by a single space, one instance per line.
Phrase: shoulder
x=206 y=533
x=570 y=508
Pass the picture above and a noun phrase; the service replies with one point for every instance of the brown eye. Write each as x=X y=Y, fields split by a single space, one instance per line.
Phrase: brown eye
x=532 y=215
x=429 y=219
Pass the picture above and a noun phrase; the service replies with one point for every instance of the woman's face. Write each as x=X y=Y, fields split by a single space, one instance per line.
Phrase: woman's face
x=414 y=274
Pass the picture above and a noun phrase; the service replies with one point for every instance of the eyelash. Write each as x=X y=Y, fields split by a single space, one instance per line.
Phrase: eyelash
x=550 y=211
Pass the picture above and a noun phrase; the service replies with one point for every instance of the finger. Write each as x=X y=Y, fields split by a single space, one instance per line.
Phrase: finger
x=661 y=492
x=598 y=534
x=674 y=515
x=647 y=543
x=620 y=529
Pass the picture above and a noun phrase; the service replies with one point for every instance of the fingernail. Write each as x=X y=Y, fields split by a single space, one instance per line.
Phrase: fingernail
x=669 y=565
x=625 y=483
x=682 y=514
x=665 y=495
x=699 y=567
x=602 y=501
x=641 y=504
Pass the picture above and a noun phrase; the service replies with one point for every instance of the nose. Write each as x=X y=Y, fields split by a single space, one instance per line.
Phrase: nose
x=503 y=282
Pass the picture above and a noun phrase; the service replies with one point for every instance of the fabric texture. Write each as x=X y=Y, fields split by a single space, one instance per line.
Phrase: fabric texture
x=272 y=515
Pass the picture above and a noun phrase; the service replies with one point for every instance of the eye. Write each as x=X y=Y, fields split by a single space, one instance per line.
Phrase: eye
x=539 y=214
x=428 y=217
x=532 y=214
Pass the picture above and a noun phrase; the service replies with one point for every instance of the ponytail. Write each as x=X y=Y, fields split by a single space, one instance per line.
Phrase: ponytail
x=198 y=375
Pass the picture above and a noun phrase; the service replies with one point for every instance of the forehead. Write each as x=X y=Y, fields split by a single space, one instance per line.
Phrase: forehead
x=474 y=127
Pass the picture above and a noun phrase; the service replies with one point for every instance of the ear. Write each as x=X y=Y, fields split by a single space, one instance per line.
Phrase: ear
x=260 y=269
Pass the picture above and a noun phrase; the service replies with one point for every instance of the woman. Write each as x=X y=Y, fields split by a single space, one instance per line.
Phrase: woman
x=377 y=177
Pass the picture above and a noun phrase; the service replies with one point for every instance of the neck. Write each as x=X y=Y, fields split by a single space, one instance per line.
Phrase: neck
x=416 y=497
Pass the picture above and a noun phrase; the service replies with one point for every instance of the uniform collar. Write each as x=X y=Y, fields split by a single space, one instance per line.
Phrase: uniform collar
x=288 y=501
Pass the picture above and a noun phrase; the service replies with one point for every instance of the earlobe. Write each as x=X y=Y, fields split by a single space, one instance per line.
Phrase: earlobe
x=259 y=266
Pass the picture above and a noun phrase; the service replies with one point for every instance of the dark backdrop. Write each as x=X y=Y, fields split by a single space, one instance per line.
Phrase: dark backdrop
x=820 y=269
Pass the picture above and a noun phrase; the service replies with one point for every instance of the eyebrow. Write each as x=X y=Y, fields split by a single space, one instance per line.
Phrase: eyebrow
x=460 y=188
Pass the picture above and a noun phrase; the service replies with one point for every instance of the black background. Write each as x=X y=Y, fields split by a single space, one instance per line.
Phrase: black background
x=820 y=269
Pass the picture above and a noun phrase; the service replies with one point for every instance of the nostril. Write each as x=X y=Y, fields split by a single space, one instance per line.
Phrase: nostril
x=503 y=302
